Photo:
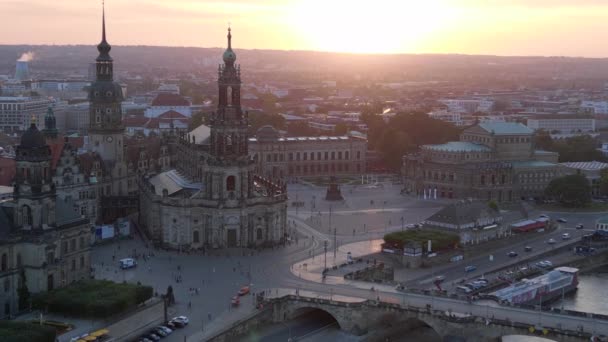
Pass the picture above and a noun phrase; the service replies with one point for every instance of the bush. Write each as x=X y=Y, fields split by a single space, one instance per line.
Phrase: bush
x=14 y=331
x=93 y=298
x=440 y=240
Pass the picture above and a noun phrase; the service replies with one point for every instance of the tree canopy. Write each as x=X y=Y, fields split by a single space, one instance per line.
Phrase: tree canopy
x=577 y=148
x=404 y=133
x=571 y=190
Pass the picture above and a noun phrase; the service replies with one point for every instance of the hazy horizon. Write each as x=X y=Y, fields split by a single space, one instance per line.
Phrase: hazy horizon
x=547 y=28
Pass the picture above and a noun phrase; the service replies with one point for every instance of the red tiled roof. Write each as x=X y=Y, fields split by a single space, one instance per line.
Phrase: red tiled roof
x=86 y=161
x=171 y=114
x=168 y=99
x=135 y=121
x=153 y=123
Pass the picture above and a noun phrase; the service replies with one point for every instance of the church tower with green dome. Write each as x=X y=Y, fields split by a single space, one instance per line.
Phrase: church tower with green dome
x=106 y=128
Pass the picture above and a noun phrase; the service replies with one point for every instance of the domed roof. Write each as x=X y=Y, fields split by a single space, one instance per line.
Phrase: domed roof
x=32 y=138
x=229 y=55
x=267 y=133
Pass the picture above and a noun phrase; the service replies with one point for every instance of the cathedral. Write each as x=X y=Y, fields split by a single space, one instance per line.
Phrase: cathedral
x=212 y=197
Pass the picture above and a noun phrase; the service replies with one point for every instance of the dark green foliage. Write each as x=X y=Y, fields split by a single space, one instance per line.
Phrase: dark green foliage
x=405 y=133
x=15 y=331
x=93 y=298
x=578 y=148
x=440 y=240
x=493 y=205
x=570 y=191
x=257 y=120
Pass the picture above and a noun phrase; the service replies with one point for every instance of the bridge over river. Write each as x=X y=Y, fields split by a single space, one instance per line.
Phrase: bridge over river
x=453 y=319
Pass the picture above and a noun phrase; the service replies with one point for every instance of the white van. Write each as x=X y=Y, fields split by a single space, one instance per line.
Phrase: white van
x=127 y=263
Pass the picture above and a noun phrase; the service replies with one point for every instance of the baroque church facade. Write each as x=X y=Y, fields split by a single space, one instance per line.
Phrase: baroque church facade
x=212 y=197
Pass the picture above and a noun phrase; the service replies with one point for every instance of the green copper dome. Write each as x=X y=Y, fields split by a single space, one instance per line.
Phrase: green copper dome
x=229 y=55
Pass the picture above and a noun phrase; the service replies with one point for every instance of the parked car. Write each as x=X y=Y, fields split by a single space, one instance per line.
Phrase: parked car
x=463 y=289
x=528 y=249
x=512 y=254
x=171 y=325
x=235 y=301
x=127 y=263
x=551 y=241
x=182 y=319
x=159 y=332
x=244 y=291
x=470 y=268
x=165 y=329
x=562 y=220
x=543 y=216
x=177 y=324
x=580 y=226
x=566 y=236
x=153 y=337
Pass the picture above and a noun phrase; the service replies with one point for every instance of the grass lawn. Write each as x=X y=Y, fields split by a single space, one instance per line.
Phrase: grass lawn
x=93 y=298
x=440 y=240
x=15 y=331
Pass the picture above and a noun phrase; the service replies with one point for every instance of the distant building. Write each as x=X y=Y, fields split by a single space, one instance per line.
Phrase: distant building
x=289 y=157
x=468 y=105
x=455 y=118
x=16 y=112
x=492 y=161
x=563 y=125
x=595 y=107
x=473 y=221
x=164 y=102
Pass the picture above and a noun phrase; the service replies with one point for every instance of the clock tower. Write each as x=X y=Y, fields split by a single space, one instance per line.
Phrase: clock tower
x=106 y=129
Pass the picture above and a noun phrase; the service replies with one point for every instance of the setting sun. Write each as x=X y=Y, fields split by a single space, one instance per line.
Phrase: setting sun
x=384 y=26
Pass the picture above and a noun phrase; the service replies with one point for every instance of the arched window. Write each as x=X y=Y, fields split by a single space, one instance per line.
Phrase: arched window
x=26 y=215
x=4 y=262
x=229 y=96
x=259 y=234
x=230 y=183
x=195 y=237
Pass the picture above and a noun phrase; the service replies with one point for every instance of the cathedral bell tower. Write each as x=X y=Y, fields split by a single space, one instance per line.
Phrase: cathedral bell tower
x=34 y=189
x=229 y=124
x=230 y=171
x=105 y=112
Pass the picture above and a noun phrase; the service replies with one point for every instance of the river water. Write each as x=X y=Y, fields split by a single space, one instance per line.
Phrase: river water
x=591 y=296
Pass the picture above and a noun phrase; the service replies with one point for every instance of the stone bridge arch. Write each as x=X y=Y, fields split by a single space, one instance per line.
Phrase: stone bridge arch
x=356 y=318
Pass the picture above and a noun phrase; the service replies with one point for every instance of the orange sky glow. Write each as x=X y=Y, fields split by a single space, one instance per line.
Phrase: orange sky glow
x=501 y=27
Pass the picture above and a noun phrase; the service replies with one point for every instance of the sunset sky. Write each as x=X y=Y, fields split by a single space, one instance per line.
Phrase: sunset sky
x=502 y=27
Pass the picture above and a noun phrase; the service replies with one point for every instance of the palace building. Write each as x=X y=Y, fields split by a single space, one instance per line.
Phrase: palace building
x=492 y=161
x=288 y=157
x=212 y=196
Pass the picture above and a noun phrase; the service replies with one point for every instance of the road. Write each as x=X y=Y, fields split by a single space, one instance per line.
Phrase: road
x=218 y=277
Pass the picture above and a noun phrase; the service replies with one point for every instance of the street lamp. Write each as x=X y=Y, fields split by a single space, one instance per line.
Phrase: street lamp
x=335 y=244
x=325 y=263
x=329 y=219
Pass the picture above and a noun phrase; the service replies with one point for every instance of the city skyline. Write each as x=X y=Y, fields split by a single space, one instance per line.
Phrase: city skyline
x=514 y=27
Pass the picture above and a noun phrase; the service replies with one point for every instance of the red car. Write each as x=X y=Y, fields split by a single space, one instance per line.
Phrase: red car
x=244 y=291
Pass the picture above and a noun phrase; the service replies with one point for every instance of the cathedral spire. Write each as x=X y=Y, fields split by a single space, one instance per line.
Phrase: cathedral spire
x=229 y=55
x=104 y=47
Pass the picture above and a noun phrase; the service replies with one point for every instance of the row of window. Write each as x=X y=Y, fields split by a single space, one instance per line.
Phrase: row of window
x=297 y=156
x=325 y=168
x=72 y=245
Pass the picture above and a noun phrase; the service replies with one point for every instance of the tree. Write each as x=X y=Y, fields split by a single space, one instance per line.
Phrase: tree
x=301 y=128
x=543 y=141
x=604 y=181
x=257 y=120
x=169 y=295
x=23 y=292
x=341 y=129
x=493 y=205
x=570 y=191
